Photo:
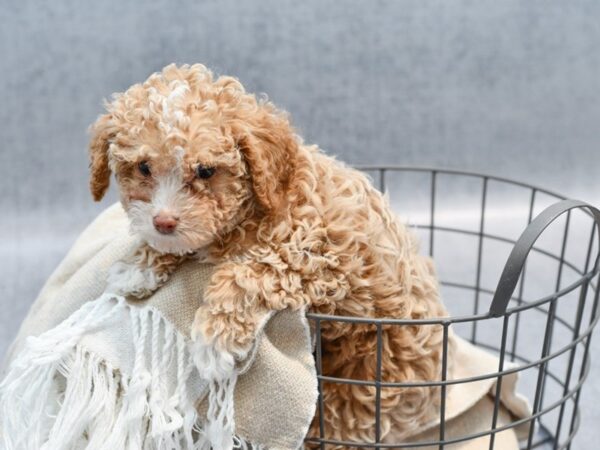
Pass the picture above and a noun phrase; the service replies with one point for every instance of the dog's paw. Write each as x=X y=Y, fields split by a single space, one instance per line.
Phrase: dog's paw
x=131 y=280
x=212 y=363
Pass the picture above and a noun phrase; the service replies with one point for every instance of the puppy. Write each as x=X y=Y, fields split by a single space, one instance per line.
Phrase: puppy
x=205 y=169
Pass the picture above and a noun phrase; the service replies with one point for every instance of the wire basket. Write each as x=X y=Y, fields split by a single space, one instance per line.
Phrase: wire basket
x=538 y=318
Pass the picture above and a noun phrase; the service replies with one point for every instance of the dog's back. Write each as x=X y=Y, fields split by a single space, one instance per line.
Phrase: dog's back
x=379 y=274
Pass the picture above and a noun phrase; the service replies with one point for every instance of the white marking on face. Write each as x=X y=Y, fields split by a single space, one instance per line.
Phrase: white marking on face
x=179 y=89
x=171 y=107
x=168 y=193
x=141 y=224
x=169 y=197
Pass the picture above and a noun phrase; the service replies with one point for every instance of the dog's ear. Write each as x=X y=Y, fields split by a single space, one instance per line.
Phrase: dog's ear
x=101 y=133
x=270 y=147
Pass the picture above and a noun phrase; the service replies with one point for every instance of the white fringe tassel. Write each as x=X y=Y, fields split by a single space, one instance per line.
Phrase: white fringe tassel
x=59 y=396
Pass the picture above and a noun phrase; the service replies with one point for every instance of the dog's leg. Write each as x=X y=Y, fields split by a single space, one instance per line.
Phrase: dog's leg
x=226 y=322
x=237 y=301
x=142 y=273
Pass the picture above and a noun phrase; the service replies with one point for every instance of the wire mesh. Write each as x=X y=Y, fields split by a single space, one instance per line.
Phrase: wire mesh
x=518 y=268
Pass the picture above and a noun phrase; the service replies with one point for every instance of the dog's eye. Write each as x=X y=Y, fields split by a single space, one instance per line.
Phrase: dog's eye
x=144 y=168
x=204 y=172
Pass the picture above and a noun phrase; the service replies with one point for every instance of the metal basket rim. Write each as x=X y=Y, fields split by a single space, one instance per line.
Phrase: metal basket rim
x=450 y=171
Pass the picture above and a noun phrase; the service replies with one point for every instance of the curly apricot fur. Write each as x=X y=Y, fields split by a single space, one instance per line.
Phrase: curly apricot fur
x=287 y=227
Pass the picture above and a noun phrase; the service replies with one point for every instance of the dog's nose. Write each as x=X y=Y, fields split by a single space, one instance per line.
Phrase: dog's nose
x=164 y=223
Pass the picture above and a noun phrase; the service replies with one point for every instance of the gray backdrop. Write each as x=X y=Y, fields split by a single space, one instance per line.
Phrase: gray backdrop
x=505 y=87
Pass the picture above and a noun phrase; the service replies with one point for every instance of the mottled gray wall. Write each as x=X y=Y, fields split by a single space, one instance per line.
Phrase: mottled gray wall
x=505 y=87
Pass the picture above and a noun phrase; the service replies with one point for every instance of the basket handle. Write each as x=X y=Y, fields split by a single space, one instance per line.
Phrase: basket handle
x=516 y=260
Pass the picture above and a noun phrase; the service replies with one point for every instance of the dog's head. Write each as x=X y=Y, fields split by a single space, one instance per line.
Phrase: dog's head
x=192 y=156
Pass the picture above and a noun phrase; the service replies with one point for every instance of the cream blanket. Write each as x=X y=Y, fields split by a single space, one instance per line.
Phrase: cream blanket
x=90 y=370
